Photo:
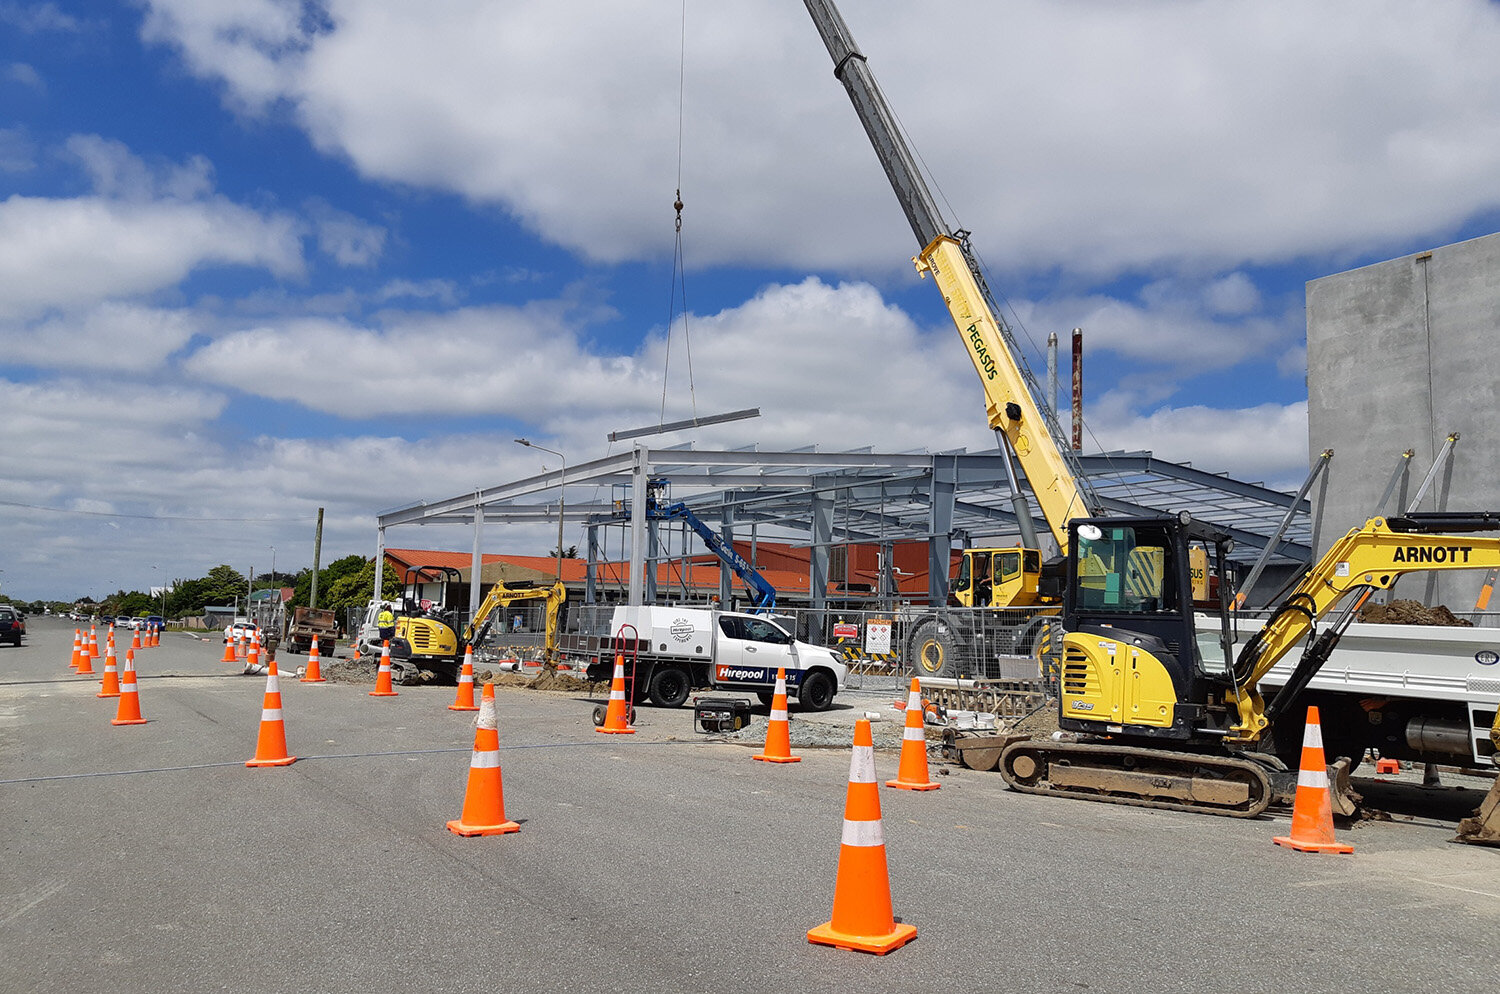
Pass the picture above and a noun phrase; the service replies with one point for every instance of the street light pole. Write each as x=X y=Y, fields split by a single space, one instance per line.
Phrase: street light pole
x=560 y=481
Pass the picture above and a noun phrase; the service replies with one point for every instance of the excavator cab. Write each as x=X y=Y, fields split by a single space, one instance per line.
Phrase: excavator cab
x=1132 y=664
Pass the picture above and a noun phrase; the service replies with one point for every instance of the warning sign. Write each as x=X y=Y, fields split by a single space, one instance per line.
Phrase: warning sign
x=878 y=635
x=844 y=630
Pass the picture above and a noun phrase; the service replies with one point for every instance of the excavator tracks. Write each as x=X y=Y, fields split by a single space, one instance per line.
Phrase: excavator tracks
x=1147 y=778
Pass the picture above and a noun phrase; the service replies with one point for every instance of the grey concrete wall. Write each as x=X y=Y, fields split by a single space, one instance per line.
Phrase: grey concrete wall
x=1399 y=355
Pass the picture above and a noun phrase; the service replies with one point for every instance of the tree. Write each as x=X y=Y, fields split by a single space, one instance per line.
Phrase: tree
x=327 y=577
x=354 y=589
x=571 y=552
x=223 y=585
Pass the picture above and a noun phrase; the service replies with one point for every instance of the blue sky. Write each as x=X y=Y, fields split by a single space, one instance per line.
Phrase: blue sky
x=261 y=256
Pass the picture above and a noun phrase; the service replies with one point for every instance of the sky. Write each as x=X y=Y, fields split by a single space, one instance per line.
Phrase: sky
x=259 y=257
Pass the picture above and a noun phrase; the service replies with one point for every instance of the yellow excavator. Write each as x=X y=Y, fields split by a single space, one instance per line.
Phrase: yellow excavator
x=1167 y=715
x=501 y=596
x=1164 y=700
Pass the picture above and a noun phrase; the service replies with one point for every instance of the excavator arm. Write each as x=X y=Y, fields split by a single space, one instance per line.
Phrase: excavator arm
x=1369 y=558
x=501 y=596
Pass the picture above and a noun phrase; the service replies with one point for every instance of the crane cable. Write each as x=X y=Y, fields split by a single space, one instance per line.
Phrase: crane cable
x=679 y=271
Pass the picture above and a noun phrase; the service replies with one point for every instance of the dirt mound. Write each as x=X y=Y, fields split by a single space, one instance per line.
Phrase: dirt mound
x=560 y=681
x=348 y=671
x=1403 y=612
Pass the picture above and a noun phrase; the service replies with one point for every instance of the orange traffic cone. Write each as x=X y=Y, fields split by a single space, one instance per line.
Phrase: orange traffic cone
x=383 y=686
x=93 y=643
x=129 y=711
x=111 y=684
x=862 y=916
x=135 y=639
x=484 y=800
x=314 y=672
x=252 y=658
x=463 y=700
x=77 y=648
x=912 y=773
x=616 y=718
x=270 y=747
x=778 y=747
x=1312 y=811
x=86 y=660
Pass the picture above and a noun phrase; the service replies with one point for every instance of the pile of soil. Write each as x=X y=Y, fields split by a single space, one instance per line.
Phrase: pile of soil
x=1403 y=612
x=348 y=670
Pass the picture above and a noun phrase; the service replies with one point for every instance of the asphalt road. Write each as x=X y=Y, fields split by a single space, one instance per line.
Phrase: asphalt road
x=149 y=858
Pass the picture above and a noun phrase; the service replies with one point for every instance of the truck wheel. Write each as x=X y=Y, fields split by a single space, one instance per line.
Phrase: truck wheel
x=766 y=697
x=670 y=687
x=326 y=647
x=934 y=650
x=816 y=692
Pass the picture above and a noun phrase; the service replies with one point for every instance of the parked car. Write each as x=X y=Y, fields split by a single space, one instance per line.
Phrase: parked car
x=123 y=621
x=155 y=621
x=12 y=625
x=240 y=628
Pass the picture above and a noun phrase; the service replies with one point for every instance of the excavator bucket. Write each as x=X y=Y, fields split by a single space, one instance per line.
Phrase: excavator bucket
x=1483 y=828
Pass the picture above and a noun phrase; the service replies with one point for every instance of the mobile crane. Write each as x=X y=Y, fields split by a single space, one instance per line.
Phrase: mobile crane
x=1001 y=578
x=1173 y=717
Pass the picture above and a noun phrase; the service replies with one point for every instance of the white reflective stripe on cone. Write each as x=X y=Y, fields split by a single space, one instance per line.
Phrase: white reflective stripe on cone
x=485 y=760
x=916 y=733
x=617 y=695
x=1313 y=778
x=865 y=834
x=273 y=684
x=914 y=701
x=779 y=715
x=1312 y=735
x=862 y=765
x=270 y=714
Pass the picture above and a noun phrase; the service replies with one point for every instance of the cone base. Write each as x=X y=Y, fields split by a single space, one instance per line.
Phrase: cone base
x=383 y=693
x=903 y=785
x=462 y=707
x=776 y=759
x=824 y=935
x=103 y=694
x=1337 y=847
x=87 y=672
x=128 y=721
x=316 y=679
x=284 y=761
x=615 y=731
x=457 y=827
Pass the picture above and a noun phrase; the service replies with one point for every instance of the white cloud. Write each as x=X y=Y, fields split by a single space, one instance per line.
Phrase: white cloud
x=1265 y=443
x=145 y=228
x=114 y=335
x=1178 y=325
x=32 y=18
x=345 y=238
x=25 y=74
x=1092 y=137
